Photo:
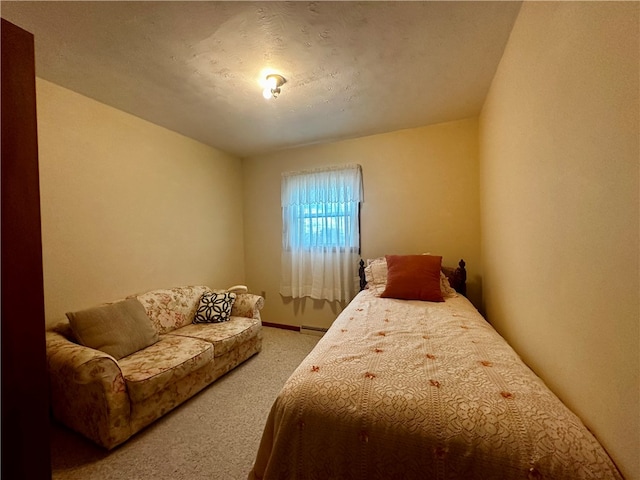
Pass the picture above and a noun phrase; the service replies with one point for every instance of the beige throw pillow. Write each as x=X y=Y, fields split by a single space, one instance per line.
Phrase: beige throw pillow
x=118 y=329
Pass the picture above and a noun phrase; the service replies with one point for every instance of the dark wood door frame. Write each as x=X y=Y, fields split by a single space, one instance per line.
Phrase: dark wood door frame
x=25 y=405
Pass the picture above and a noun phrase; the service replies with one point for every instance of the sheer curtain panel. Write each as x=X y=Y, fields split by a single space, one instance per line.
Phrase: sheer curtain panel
x=321 y=233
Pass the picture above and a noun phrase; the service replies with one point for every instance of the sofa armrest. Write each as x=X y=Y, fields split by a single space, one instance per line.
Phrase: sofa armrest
x=88 y=391
x=247 y=305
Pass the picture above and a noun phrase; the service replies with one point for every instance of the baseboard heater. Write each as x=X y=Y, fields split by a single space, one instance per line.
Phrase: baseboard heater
x=309 y=330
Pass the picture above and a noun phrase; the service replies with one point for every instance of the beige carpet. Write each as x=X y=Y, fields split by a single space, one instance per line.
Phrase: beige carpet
x=214 y=435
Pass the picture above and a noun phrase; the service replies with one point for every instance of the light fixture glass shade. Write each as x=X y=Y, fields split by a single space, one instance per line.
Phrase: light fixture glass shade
x=272 y=84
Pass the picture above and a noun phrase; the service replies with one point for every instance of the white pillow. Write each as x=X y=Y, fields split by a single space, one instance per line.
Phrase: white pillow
x=445 y=287
x=376 y=275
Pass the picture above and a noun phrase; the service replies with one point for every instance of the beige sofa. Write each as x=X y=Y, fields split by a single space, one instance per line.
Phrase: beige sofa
x=108 y=399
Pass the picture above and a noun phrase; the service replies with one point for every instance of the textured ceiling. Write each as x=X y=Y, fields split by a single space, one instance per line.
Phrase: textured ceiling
x=352 y=68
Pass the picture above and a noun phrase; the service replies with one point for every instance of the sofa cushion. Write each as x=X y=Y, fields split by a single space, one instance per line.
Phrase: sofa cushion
x=172 y=358
x=172 y=308
x=224 y=336
x=214 y=307
x=118 y=329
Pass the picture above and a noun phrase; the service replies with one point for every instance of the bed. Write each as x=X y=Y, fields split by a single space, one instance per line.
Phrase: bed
x=413 y=389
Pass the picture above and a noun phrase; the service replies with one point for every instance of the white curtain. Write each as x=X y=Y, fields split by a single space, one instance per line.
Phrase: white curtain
x=321 y=233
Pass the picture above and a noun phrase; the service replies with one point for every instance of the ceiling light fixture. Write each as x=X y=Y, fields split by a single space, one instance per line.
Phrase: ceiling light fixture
x=273 y=84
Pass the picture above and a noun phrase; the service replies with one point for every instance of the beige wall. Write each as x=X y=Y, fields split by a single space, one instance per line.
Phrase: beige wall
x=421 y=195
x=560 y=209
x=128 y=206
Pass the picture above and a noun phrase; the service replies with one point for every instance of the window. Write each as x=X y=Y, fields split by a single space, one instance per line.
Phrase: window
x=321 y=232
x=323 y=224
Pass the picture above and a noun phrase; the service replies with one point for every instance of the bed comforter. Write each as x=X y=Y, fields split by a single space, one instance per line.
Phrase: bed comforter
x=402 y=389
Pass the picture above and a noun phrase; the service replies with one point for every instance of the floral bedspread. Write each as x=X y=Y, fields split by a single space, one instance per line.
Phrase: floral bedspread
x=412 y=390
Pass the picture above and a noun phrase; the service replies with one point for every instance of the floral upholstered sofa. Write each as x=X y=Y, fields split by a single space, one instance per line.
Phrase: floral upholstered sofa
x=107 y=394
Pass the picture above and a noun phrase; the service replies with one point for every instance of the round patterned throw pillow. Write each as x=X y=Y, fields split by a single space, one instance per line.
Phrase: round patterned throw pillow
x=214 y=307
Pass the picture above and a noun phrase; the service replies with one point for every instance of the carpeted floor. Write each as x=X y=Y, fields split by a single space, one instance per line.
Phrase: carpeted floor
x=214 y=435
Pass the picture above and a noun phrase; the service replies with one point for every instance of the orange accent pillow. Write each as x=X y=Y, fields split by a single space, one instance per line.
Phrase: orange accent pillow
x=413 y=277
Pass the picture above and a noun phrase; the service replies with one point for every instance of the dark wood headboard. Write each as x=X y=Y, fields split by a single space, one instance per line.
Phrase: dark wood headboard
x=457 y=277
